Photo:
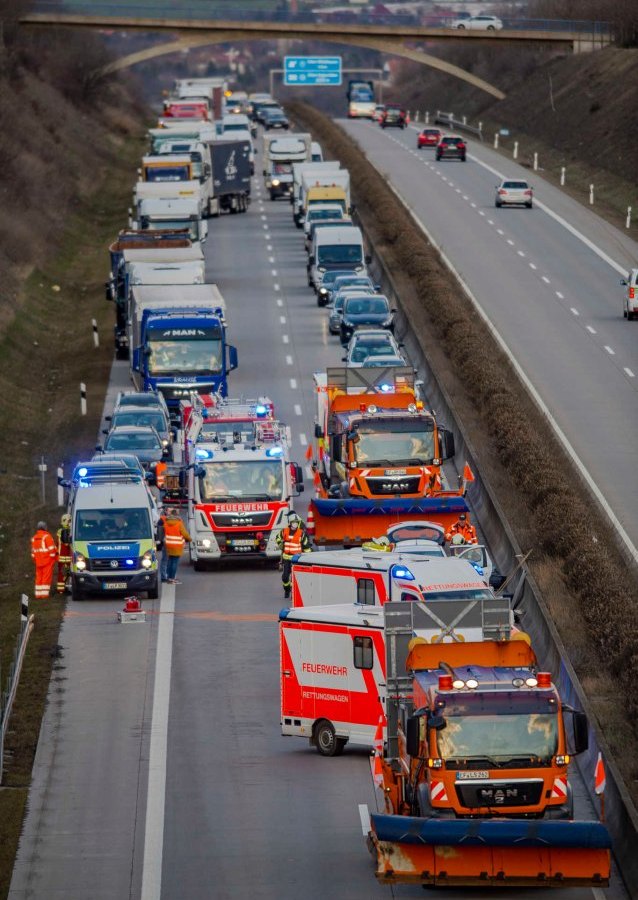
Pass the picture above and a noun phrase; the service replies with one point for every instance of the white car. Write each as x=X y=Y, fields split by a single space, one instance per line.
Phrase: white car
x=366 y=343
x=478 y=23
x=630 y=305
x=511 y=192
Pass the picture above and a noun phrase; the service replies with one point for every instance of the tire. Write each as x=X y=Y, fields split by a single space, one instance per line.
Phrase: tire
x=272 y=195
x=153 y=594
x=326 y=741
x=630 y=317
x=490 y=28
x=461 y=27
x=463 y=158
x=497 y=204
x=122 y=353
x=624 y=313
x=76 y=594
x=528 y=205
x=199 y=566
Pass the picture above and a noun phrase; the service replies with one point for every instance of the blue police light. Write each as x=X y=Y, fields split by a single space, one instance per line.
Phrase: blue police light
x=478 y=568
x=275 y=451
x=402 y=572
x=385 y=388
x=83 y=471
x=130 y=562
x=261 y=410
x=204 y=454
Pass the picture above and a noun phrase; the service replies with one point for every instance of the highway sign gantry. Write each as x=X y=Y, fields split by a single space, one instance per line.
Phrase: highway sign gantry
x=312 y=70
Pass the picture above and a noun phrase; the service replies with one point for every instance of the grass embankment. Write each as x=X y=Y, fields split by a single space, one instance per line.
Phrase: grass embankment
x=45 y=352
x=575 y=560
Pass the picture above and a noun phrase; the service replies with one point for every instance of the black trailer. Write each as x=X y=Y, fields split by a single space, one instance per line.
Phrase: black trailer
x=230 y=161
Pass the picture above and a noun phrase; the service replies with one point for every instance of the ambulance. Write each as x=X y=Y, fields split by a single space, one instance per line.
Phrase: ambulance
x=372 y=578
x=333 y=660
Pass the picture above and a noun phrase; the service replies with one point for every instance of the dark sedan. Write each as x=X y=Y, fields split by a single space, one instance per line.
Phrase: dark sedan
x=371 y=310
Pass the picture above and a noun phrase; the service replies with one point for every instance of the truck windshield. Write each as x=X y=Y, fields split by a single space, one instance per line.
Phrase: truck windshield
x=168 y=173
x=249 y=480
x=335 y=254
x=438 y=592
x=112 y=525
x=394 y=444
x=282 y=168
x=151 y=224
x=335 y=200
x=492 y=729
x=176 y=356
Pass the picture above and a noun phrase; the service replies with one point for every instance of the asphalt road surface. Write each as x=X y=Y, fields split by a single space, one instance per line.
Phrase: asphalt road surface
x=161 y=772
x=553 y=299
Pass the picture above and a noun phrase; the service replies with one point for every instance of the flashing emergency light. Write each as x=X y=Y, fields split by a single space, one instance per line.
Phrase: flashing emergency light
x=531 y=682
x=261 y=410
x=445 y=683
x=478 y=568
x=412 y=407
x=275 y=451
x=203 y=454
x=544 y=679
x=83 y=471
x=385 y=388
x=471 y=683
x=435 y=763
x=130 y=562
x=398 y=571
x=458 y=684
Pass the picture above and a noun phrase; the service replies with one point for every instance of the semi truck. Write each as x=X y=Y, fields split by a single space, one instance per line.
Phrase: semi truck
x=177 y=336
x=327 y=187
x=166 y=214
x=190 y=165
x=472 y=778
x=361 y=102
x=230 y=158
x=378 y=456
x=298 y=172
x=279 y=156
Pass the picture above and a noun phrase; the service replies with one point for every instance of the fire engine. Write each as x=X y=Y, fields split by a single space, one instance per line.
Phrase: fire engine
x=241 y=480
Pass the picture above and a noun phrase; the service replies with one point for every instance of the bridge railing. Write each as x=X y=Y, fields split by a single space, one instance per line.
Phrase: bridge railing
x=203 y=9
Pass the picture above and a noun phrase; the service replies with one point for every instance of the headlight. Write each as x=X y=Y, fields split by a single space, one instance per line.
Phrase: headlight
x=276 y=182
x=80 y=562
x=147 y=560
x=323 y=290
x=164 y=443
x=206 y=544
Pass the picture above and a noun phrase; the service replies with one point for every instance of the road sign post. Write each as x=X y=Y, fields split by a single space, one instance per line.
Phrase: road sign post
x=311 y=71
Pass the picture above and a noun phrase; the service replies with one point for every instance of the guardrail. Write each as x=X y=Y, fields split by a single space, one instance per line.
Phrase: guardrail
x=8 y=694
x=621 y=816
x=447 y=119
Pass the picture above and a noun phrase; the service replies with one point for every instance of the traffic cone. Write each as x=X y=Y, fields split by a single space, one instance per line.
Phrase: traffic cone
x=468 y=475
x=310 y=524
x=308 y=452
x=378 y=736
x=600 y=779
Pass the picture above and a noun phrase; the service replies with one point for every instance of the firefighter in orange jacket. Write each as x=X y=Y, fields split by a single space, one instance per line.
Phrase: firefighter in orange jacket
x=175 y=537
x=293 y=539
x=463 y=528
x=64 y=552
x=44 y=555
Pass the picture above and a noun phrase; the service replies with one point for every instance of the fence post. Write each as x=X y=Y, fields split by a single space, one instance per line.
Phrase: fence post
x=426 y=117
x=591 y=194
x=628 y=220
x=96 y=336
x=465 y=120
x=536 y=162
x=515 y=150
x=562 y=176
x=60 y=488
x=496 y=141
x=480 y=126
x=82 y=398
x=416 y=116
x=24 y=610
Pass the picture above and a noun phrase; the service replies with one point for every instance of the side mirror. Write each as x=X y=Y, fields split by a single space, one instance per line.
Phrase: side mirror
x=98 y=447
x=413 y=736
x=318 y=431
x=105 y=431
x=581 y=732
x=438 y=723
x=233 y=358
x=447 y=444
x=367 y=259
x=108 y=418
x=623 y=282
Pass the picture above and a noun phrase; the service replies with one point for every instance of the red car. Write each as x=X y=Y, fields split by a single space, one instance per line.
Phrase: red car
x=429 y=137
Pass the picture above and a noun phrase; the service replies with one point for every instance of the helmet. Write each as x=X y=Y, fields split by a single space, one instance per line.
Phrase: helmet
x=41 y=526
x=65 y=521
x=458 y=539
x=293 y=518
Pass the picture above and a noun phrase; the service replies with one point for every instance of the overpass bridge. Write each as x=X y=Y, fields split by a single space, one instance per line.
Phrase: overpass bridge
x=397 y=39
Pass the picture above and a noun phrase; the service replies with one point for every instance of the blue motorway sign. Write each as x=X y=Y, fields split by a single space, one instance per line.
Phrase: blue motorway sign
x=312 y=70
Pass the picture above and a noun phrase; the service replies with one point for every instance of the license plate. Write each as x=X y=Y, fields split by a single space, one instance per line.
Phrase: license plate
x=471 y=776
x=114 y=585
x=395 y=472
x=242 y=543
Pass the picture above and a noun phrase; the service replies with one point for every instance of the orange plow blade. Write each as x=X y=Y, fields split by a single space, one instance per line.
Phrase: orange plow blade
x=490 y=852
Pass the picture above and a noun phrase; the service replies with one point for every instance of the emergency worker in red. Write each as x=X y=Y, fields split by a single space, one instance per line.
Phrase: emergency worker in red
x=44 y=555
x=175 y=537
x=464 y=529
x=64 y=552
x=293 y=539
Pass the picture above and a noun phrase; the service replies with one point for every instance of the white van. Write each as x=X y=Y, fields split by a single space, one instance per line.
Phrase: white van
x=113 y=540
x=336 y=248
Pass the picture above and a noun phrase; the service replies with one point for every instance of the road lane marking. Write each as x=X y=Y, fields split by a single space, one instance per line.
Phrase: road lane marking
x=520 y=253
x=609 y=350
x=276 y=287
x=156 y=796
x=545 y=279
x=280 y=302
x=473 y=205
x=298 y=410
x=532 y=266
x=285 y=338
x=271 y=259
x=465 y=197
x=364 y=816
x=216 y=616
x=559 y=295
x=590 y=329
x=628 y=372
x=490 y=222
x=274 y=272
x=263 y=218
x=500 y=231
x=510 y=242
x=293 y=384
x=303 y=440
x=574 y=310
x=481 y=213
x=282 y=320
x=289 y=361
x=269 y=248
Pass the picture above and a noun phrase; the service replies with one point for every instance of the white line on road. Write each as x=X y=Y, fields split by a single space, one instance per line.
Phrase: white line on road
x=458 y=190
x=274 y=273
x=559 y=295
x=293 y=384
x=271 y=259
x=303 y=440
x=545 y=279
x=510 y=242
x=465 y=197
x=590 y=329
x=269 y=248
x=500 y=231
x=276 y=287
x=520 y=253
x=628 y=372
x=532 y=265
x=263 y=218
x=282 y=319
x=609 y=350
x=289 y=361
x=156 y=798
x=285 y=338
x=298 y=411
x=574 y=310
x=280 y=302
x=481 y=213
x=490 y=222
x=364 y=816
x=473 y=205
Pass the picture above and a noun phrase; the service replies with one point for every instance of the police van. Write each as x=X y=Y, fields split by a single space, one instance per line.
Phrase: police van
x=113 y=539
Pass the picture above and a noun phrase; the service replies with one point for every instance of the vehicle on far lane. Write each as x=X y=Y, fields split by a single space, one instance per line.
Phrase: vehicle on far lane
x=142 y=440
x=370 y=342
x=394 y=116
x=630 y=307
x=478 y=23
x=451 y=146
x=513 y=193
x=274 y=118
x=429 y=137
x=377 y=115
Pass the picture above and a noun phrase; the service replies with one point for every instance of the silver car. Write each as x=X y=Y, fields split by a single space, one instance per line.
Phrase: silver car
x=513 y=193
x=478 y=23
x=337 y=303
x=370 y=342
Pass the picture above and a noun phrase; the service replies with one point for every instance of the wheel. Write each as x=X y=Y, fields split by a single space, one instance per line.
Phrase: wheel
x=199 y=566
x=497 y=204
x=461 y=27
x=272 y=195
x=153 y=594
x=438 y=158
x=76 y=593
x=630 y=317
x=326 y=741
x=121 y=353
x=463 y=158
x=491 y=28
x=624 y=313
x=528 y=205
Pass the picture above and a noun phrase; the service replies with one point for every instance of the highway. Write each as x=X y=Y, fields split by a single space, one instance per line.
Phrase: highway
x=160 y=771
x=554 y=301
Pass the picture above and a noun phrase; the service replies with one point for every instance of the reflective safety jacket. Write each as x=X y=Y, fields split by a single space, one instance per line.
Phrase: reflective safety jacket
x=42 y=548
x=175 y=536
x=64 y=545
x=293 y=542
x=466 y=529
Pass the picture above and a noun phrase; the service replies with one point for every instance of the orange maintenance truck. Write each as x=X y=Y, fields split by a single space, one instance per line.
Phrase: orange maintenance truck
x=473 y=785
x=378 y=456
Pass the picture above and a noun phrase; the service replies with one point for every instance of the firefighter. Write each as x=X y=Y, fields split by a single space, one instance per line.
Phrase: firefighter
x=293 y=539
x=64 y=552
x=175 y=536
x=160 y=476
x=44 y=555
x=463 y=528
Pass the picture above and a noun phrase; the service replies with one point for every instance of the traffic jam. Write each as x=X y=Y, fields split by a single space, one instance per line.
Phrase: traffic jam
x=398 y=633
